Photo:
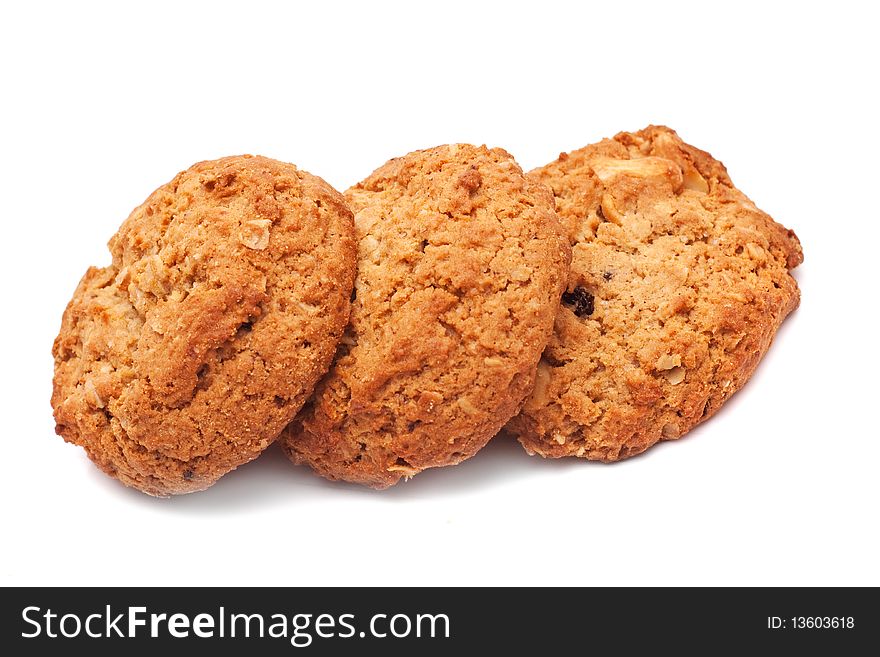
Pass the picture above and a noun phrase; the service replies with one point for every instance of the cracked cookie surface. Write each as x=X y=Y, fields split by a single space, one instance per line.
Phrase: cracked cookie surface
x=461 y=263
x=678 y=284
x=226 y=297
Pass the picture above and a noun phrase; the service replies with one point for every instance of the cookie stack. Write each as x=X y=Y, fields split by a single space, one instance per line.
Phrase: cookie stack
x=606 y=301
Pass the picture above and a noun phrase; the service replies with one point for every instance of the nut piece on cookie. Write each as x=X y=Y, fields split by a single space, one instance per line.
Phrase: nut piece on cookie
x=462 y=262
x=687 y=281
x=227 y=295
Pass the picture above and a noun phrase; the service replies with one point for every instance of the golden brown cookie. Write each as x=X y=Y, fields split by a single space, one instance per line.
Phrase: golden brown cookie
x=678 y=284
x=461 y=263
x=228 y=292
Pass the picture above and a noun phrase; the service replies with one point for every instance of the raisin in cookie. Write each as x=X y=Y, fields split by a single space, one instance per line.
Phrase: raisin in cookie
x=678 y=284
x=227 y=295
x=461 y=264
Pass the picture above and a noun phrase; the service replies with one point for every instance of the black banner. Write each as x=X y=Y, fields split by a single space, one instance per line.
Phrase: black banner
x=434 y=621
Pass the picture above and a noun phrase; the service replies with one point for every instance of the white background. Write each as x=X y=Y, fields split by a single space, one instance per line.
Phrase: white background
x=103 y=103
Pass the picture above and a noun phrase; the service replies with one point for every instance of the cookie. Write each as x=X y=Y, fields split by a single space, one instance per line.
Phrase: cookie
x=226 y=297
x=678 y=284
x=461 y=264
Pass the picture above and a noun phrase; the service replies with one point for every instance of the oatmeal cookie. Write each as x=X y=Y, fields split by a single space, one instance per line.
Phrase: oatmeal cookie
x=678 y=284
x=226 y=297
x=461 y=264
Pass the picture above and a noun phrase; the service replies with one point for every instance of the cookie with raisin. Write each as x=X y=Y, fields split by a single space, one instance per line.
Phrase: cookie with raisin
x=678 y=284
